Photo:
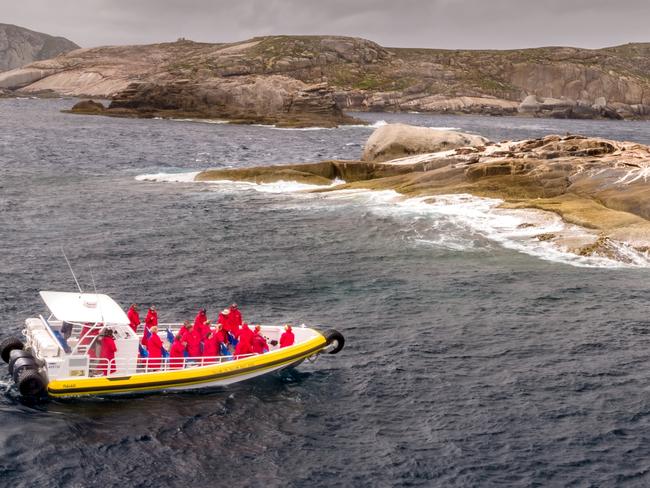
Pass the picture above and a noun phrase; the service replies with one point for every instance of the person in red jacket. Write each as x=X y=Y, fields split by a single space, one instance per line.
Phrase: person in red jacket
x=244 y=331
x=201 y=318
x=193 y=339
x=185 y=328
x=243 y=346
x=154 y=348
x=134 y=317
x=220 y=334
x=287 y=338
x=210 y=348
x=224 y=319
x=108 y=352
x=234 y=317
x=152 y=317
x=177 y=352
x=258 y=342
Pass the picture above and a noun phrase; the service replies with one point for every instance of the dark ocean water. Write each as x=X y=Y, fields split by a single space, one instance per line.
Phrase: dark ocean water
x=467 y=365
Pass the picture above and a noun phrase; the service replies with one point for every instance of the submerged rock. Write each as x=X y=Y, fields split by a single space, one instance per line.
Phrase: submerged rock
x=88 y=107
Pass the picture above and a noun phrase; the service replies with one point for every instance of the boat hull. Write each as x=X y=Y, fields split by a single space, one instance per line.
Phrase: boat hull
x=222 y=374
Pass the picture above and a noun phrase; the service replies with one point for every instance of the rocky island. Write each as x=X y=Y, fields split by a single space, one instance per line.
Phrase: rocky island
x=597 y=184
x=310 y=80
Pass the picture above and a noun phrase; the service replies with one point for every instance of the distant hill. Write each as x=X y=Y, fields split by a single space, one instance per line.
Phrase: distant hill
x=20 y=46
x=318 y=73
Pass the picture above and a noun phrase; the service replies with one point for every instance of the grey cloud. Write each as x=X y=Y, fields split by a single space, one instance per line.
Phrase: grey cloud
x=477 y=24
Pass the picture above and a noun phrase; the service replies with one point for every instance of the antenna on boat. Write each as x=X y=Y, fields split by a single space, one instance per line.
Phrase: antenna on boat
x=71 y=271
x=95 y=288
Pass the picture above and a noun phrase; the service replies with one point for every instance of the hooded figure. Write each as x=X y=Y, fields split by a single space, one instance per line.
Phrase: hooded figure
x=244 y=331
x=185 y=328
x=108 y=352
x=152 y=317
x=177 y=352
x=258 y=342
x=244 y=345
x=221 y=334
x=287 y=339
x=154 y=348
x=234 y=317
x=193 y=339
x=134 y=317
x=224 y=319
x=210 y=348
x=201 y=318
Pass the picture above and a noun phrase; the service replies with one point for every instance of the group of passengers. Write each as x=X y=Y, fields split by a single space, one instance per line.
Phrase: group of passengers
x=200 y=341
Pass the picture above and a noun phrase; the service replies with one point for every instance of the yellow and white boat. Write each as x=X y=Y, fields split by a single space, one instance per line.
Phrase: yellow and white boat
x=56 y=359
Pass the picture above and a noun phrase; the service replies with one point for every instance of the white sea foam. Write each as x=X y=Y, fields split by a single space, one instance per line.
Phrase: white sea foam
x=280 y=186
x=187 y=177
x=219 y=185
x=468 y=217
x=457 y=222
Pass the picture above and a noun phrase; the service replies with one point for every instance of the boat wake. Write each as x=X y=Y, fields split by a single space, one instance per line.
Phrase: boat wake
x=459 y=222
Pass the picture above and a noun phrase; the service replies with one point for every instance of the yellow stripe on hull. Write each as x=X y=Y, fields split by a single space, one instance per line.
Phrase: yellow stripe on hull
x=157 y=381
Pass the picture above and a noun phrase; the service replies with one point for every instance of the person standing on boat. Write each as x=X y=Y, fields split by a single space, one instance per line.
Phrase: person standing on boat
x=210 y=348
x=154 y=348
x=287 y=338
x=185 y=328
x=108 y=352
x=201 y=318
x=258 y=342
x=151 y=319
x=193 y=339
x=221 y=334
x=224 y=319
x=234 y=318
x=244 y=345
x=245 y=332
x=177 y=352
x=134 y=317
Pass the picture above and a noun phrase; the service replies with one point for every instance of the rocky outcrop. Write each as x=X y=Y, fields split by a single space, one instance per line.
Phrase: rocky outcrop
x=277 y=100
x=545 y=82
x=601 y=185
x=88 y=107
x=395 y=141
x=571 y=109
x=19 y=46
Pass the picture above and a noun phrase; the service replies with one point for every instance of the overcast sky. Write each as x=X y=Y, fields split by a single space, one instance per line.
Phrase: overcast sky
x=473 y=24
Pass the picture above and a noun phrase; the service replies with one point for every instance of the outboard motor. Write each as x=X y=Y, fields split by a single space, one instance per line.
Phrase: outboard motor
x=8 y=345
x=23 y=368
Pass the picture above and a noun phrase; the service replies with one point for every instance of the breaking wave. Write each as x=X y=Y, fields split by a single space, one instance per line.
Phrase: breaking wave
x=280 y=186
x=460 y=222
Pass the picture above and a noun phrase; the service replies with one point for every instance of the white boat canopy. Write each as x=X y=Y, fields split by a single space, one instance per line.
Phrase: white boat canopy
x=84 y=307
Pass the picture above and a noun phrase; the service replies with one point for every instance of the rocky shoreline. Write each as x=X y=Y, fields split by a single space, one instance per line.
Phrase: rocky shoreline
x=596 y=184
x=310 y=80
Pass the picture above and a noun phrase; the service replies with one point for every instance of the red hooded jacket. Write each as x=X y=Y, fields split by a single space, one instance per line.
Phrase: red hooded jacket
x=193 y=339
x=134 y=318
x=287 y=338
x=176 y=354
x=108 y=352
x=151 y=319
x=235 y=319
x=258 y=344
x=154 y=348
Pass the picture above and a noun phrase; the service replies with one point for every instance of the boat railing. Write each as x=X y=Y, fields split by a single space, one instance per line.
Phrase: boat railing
x=120 y=366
